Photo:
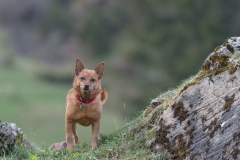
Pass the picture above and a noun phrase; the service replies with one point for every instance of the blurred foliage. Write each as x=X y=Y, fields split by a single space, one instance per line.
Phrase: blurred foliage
x=148 y=46
x=173 y=36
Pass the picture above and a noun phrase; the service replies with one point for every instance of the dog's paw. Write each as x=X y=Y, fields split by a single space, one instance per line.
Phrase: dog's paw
x=59 y=145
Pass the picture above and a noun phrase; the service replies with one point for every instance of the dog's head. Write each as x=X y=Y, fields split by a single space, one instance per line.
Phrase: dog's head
x=88 y=80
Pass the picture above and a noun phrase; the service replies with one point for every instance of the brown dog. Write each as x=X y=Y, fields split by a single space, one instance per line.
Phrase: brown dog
x=84 y=103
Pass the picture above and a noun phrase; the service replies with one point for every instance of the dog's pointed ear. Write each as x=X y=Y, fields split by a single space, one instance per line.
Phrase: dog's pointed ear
x=99 y=69
x=79 y=66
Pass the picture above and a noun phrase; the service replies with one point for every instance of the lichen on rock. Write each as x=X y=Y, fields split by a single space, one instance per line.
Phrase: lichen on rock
x=224 y=58
x=218 y=60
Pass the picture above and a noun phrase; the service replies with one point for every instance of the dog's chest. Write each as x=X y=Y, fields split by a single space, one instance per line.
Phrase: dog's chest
x=87 y=114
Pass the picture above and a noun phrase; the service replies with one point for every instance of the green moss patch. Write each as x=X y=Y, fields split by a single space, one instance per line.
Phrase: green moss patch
x=215 y=65
x=231 y=68
x=228 y=102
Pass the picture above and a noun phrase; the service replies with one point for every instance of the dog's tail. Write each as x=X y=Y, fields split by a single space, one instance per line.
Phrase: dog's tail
x=104 y=96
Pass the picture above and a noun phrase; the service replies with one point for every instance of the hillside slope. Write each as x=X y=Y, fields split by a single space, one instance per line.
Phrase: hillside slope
x=197 y=120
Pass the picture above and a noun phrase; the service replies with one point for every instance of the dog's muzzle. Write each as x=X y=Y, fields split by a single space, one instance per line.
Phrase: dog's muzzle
x=86 y=87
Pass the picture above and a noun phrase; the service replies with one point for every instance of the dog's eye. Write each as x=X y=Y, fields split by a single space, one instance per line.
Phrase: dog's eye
x=82 y=78
x=93 y=80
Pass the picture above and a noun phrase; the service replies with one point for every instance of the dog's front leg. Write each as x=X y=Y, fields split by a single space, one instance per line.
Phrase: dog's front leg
x=69 y=134
x=75 y=133
x=95 y=132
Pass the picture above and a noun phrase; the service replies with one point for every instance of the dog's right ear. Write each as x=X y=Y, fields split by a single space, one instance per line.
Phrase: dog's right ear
x=79 y=66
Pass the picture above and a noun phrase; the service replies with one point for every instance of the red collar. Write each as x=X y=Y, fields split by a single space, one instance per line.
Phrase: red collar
x=85 y=100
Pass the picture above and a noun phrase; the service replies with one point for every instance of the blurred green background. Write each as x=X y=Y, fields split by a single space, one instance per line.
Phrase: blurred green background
x=148 y=46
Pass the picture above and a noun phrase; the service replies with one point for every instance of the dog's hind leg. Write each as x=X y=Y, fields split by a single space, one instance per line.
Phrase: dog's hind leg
x=74 y=126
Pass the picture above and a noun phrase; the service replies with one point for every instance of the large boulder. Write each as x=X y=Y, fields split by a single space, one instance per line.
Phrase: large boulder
x=202 y=120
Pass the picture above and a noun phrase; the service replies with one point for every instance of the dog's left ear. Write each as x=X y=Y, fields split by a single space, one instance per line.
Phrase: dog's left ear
x=99 y=69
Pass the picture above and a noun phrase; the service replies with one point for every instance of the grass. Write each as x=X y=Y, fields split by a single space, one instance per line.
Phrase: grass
x=121 y=144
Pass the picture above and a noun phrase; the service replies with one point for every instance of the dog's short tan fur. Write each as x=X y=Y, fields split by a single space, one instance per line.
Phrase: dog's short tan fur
x=88 y=113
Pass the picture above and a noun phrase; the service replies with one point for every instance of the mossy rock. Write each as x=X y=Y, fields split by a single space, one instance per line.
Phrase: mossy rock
x=201 y=121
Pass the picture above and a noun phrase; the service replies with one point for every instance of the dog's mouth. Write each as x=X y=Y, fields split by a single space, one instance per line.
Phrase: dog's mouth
x=86 y=90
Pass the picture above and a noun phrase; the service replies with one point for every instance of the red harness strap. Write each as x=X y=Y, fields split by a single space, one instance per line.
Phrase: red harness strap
x=85 y=100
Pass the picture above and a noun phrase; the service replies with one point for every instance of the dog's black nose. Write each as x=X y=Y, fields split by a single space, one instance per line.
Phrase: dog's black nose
x=86 y=87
